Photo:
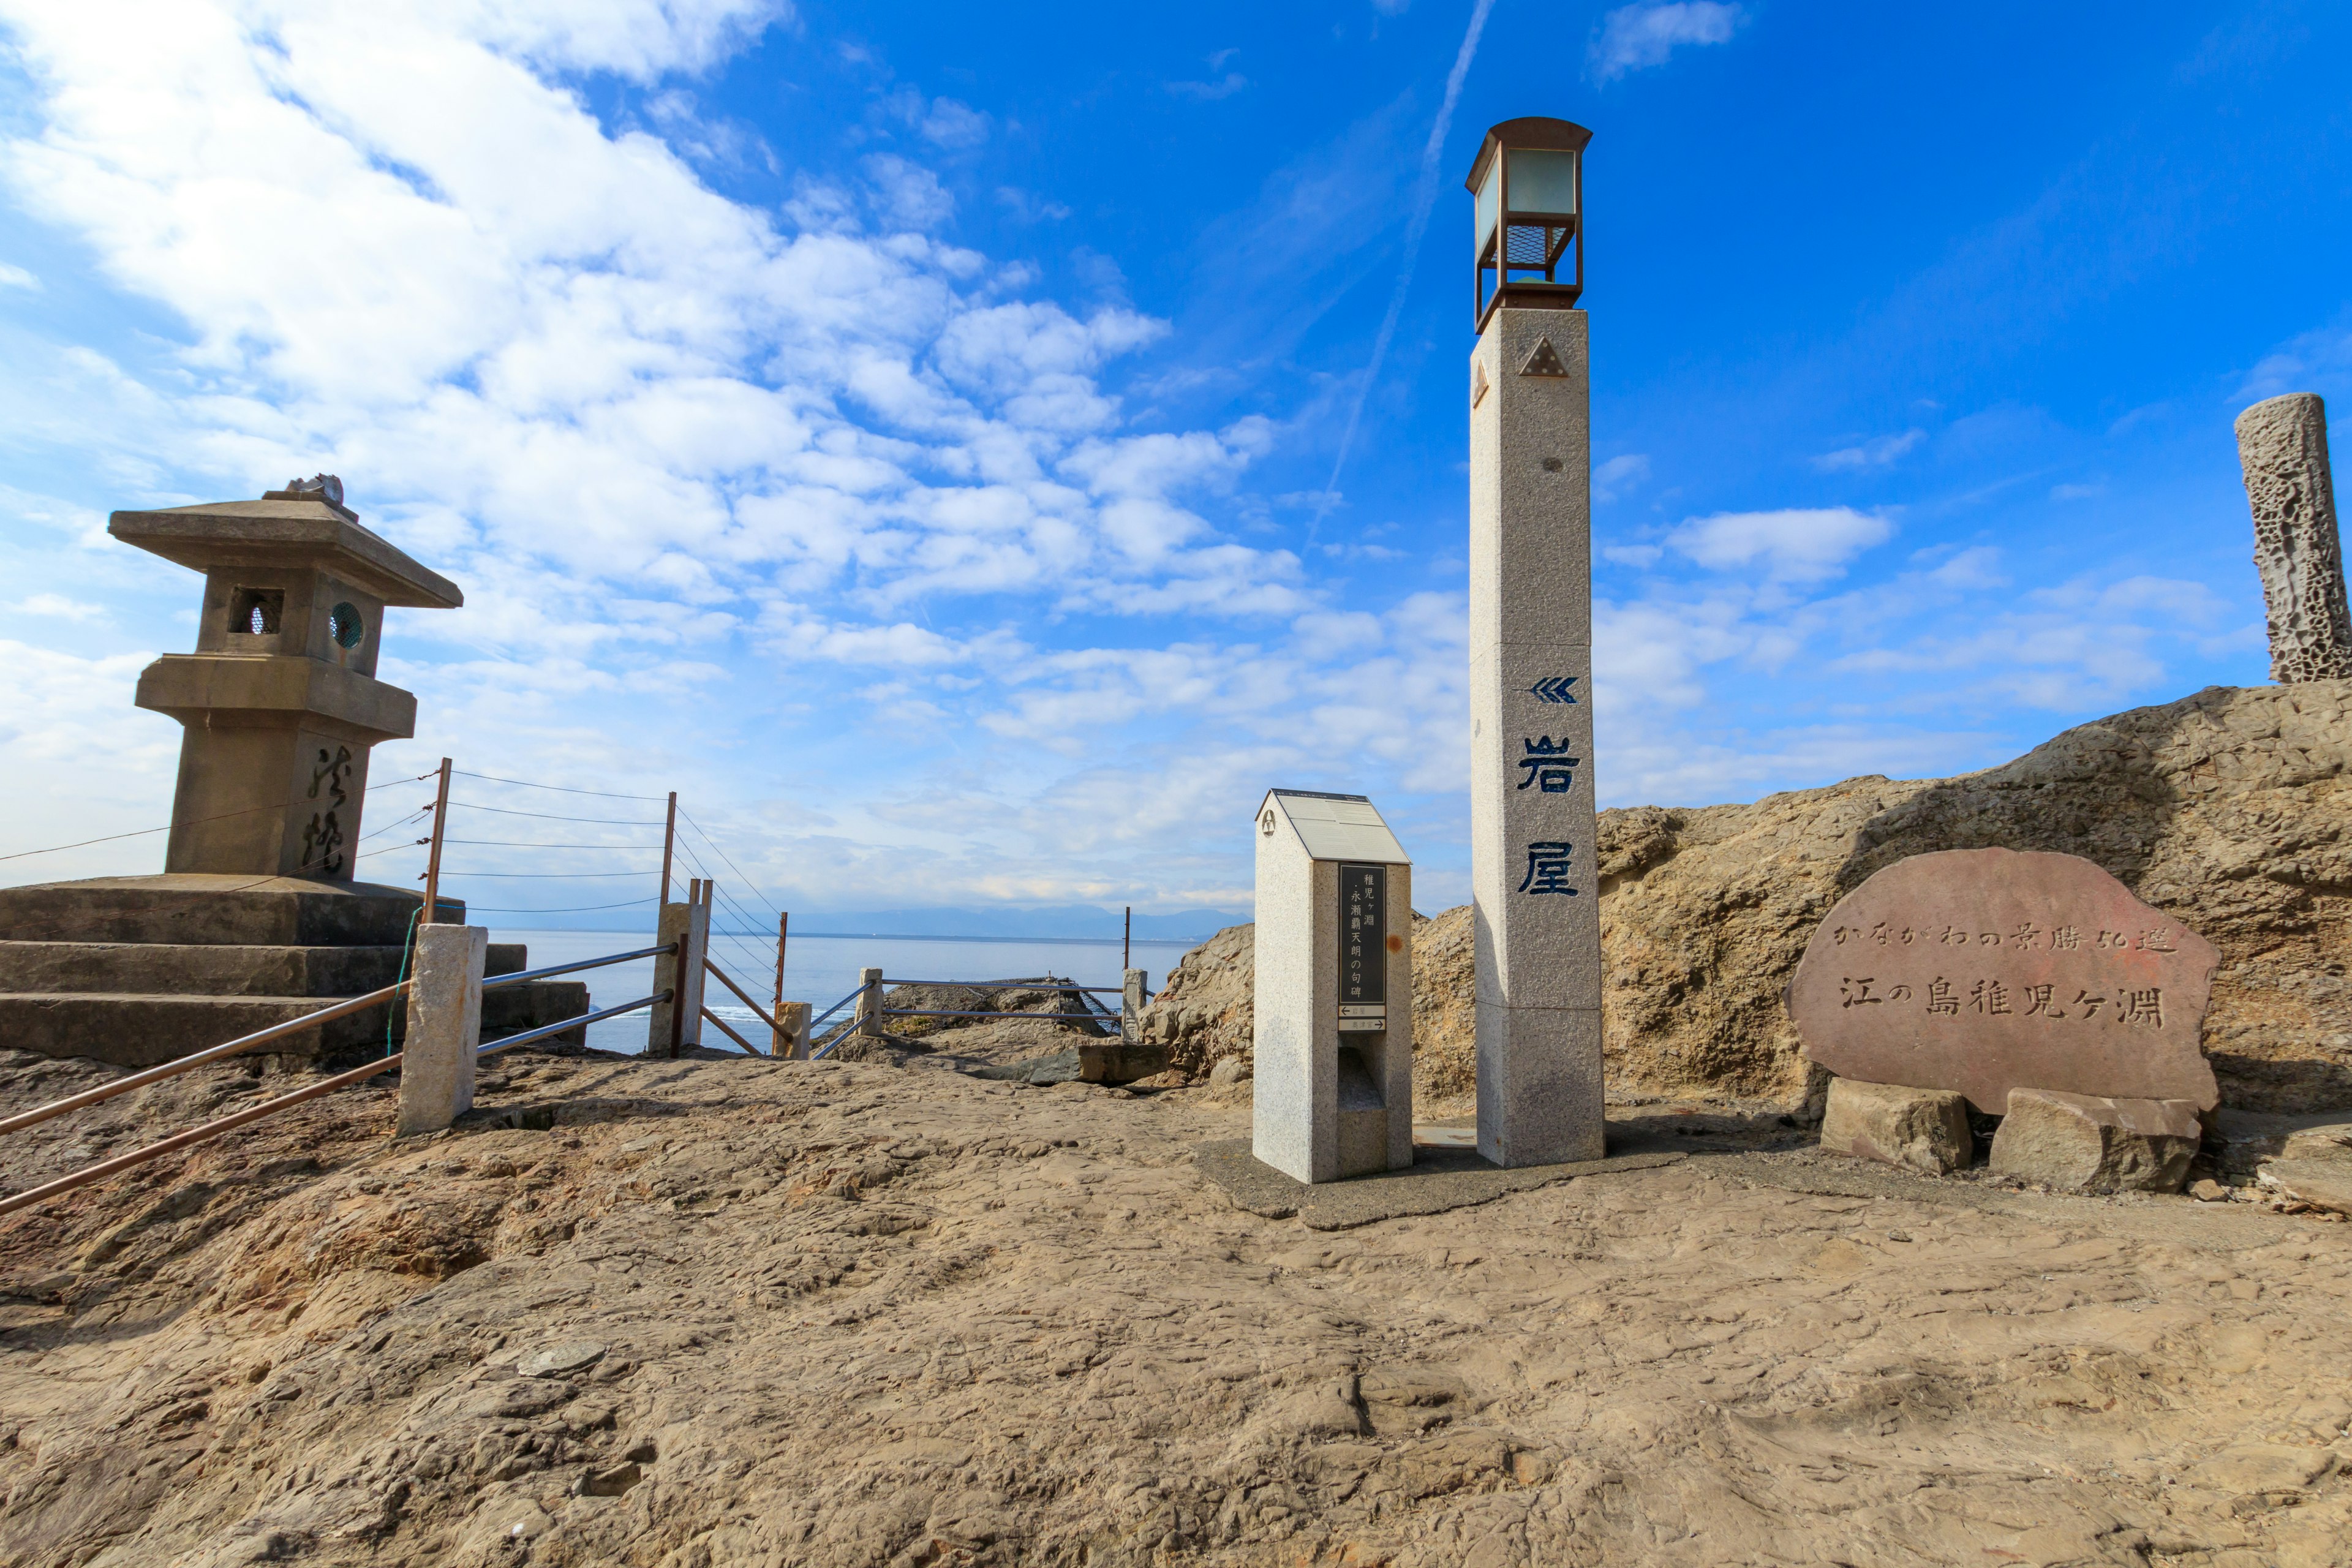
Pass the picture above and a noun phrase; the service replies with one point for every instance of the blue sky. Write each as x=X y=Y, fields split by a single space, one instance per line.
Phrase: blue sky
x=910 y=432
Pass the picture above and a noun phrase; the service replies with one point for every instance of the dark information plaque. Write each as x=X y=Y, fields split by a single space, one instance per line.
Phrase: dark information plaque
x=1363 y=949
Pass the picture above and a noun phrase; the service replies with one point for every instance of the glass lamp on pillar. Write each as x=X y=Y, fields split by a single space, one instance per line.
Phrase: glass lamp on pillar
x=1529 y=184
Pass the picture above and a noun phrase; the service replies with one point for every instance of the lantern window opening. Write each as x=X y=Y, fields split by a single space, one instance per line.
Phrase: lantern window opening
x=258 y=612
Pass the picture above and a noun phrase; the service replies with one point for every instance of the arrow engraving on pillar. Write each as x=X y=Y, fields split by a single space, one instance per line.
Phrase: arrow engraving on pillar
x=1553 y=688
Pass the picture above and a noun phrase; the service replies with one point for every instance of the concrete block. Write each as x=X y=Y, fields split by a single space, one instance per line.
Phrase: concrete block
x=794 y=1042
x=444 y=1027
x=692 y=921
x=2089 y=1144
x=1924 y=1129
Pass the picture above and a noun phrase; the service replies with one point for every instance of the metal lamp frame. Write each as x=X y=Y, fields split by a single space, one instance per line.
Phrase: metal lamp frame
x=1534 y=133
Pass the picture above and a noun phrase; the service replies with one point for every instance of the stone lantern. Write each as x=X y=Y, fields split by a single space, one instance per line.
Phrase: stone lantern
x=256 y=918
x=280 y=699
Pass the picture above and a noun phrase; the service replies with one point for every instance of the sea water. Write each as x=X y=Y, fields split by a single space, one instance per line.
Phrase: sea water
x=822 y=970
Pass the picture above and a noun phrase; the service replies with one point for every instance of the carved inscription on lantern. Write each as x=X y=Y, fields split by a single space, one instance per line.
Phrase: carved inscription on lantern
x=1984 y=970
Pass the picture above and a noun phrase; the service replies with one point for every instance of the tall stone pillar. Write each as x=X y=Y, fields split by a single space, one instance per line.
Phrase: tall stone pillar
x=1531 y=803
x=2283 y=448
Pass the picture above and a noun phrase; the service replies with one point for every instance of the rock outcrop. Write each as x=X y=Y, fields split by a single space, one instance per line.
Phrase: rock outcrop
x=2228 y=810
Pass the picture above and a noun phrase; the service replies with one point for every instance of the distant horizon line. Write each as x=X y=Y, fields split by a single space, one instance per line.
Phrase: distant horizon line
x=916 y=936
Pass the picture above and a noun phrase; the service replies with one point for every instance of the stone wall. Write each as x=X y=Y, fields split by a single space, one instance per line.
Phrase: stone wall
x=2229 y=809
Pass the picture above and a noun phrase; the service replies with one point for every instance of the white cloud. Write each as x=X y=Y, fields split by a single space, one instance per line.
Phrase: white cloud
x=1876 y=453
x=2316 y=360
x=18 y=278
x=954 y=125
x=1799 y=545
x=1633 y=37
x=56 y=606
x=1618 y=475
x=1209 y=92
x=908 y=193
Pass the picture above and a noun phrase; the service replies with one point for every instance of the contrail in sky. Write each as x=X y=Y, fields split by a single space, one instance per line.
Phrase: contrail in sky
x=1424 y=199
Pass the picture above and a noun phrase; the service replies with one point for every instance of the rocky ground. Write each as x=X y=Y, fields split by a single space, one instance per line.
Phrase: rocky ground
x=737 y=1312
x=2230 y=809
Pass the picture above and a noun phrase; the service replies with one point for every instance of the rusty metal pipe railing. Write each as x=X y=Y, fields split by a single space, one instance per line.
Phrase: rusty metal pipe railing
x=562 y=1025
x=1004 y=986
x=105 y=1168
x=495 y=981
x=757 y=1010
x=40 y=1113
x=711 y=1017
x=1041 y=1017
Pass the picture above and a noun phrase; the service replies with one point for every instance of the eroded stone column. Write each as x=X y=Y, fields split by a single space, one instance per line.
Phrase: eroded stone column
x=2282 y=447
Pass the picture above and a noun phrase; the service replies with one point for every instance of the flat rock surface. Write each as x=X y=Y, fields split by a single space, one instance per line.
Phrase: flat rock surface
x=1982 y=971
x=1440 y=1179
x=856 y=1314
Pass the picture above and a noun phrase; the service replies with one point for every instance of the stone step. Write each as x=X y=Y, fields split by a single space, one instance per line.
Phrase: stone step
x=205 y=909
x=128 y=1029
x=181 y=969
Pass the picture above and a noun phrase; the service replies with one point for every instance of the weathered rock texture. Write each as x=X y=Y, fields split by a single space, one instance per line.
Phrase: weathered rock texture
x=750 y=1313
x=2228 y=810
x=2088 y=1144
x=1925 y=1129
x=2283 y=448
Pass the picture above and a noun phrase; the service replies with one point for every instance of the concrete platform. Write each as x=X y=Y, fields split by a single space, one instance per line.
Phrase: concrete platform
x=131 y=1029
x=219 y=970
x=204 y=908
x=1440 y=1179
x=138 y=971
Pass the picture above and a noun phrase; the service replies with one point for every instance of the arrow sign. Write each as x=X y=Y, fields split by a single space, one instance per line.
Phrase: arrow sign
x=1553 y=688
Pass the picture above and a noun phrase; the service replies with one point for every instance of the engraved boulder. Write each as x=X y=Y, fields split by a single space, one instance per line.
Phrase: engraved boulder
x=1983 y=970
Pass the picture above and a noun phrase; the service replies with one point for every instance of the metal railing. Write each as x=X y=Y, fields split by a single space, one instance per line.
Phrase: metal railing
x=1093 y=1011
x=213 y=1129
x=775 y=1029
x=817 y=1053
x=41 y=1113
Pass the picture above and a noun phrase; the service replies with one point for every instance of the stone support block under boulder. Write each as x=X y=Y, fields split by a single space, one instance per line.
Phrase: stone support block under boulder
x=1922 y=1128
x=2321 y=1184
x=2088 y=1144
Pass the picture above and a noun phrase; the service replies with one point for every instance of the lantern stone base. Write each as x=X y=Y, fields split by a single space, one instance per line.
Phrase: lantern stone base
x=138 y=971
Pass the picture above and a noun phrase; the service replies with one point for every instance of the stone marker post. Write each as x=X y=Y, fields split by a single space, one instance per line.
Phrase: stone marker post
x=1332 y=1092
x=1135 y=990
x=1533 y=874
x=444 y=1027
x=680 y=974
x=792 y=1040
x=2282 y=450
x=869 y=1004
